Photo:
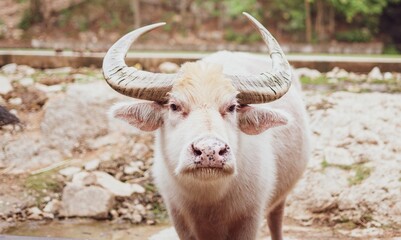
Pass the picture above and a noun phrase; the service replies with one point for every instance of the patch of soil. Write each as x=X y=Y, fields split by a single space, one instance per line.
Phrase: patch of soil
x=32 y=98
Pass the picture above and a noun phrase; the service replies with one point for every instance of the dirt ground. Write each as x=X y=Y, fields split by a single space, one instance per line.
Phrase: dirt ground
x=351 y=189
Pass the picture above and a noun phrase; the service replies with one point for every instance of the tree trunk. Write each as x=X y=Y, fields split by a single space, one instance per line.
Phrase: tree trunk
x=184 y=24
x=332 y=22
x=308 y=22
x=183 y=8
x=319 y=28
x=135 y=6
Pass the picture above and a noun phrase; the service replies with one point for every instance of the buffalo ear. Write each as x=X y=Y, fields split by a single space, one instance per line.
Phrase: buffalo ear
x=255 y=120
x=146 y=116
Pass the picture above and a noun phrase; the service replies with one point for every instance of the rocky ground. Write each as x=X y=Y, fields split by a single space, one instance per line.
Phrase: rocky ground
x=67 y=159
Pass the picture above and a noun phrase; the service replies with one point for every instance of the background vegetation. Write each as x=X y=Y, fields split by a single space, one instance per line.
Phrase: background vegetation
x=306 y=21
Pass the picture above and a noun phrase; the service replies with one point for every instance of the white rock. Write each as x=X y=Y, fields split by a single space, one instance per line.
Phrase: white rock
x=332 y=73
x=2 y=101
x=46 y=199
x=168 y=67
x=48 y=215
x=116 y=187
x=79 y=178
x=356 y=77
x=342 y=74
x=13 y=111
x=85 y=103
x=307 y=72
x=139 y=150
x=136 y=218
x=388 y=76
x=49 y=89
x=128 y=170
x=34 y=210
x=398 y=77
x=64 y=70
x=26 y=70
x=137 y=188
x=53 y=206
x=133 y=167
x=348 y=200
x=338 y=156
x=34 y=213
x=92 y=201
x=137 y=164
x=166 y=234
x=367 y=232
x=375 y=74
x=108 y=139
x=15 y=101
x=26 y=81
x=5 y=85
x=9 y=68
x=332 y=80
x=69 y=171
x=92 y=165
x=140 y=209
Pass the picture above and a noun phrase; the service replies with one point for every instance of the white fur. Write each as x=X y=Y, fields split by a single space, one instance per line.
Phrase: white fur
x=267 y=165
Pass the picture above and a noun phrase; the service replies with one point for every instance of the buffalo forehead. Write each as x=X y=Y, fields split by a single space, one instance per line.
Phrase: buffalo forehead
x=203 y=83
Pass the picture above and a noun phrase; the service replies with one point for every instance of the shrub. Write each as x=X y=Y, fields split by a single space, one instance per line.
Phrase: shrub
x=356 y=35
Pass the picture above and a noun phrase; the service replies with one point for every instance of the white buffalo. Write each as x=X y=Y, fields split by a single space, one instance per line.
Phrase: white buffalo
x=221 y=164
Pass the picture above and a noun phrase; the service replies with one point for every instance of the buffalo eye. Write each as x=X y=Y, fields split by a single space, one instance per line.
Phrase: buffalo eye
x=232 y=108
x=174 y=107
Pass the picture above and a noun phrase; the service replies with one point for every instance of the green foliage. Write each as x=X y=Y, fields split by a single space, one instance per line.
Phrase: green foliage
x=231 y=35
x=391 y=49
x=64 y=18
x=351 y=8
x=26 y=21
x=285 y=15
x=290 y=14
x=356 y=35
x=82 y=23
x=236 y=7
x=114 y=23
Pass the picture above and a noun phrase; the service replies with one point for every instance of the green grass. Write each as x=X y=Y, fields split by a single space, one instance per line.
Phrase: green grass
x=324 y=164
x=322 y=80
x=41 y=184
x=361 y=173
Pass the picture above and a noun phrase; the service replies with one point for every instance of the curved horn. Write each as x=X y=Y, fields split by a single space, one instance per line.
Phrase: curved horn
x=129 y=80
x=267 y=86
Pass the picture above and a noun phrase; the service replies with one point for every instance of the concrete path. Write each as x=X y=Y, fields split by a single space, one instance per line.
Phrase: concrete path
x=8 y=237
x=323 y=63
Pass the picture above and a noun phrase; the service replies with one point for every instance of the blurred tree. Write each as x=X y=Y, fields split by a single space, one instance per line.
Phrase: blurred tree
x=390 y=22
x=300 y=20
x=135 y=7
x=365 y=13
x=308 y=22
x=290 y=16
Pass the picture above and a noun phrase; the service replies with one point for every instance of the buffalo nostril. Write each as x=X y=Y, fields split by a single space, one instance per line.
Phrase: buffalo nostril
x=196 y=151
x=223 y=151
